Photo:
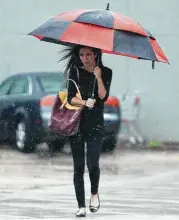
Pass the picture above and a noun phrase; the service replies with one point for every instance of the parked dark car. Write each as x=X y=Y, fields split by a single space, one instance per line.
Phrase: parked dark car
x=26 y=101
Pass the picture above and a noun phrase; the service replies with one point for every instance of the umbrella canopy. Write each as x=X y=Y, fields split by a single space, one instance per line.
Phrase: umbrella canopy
x=109 y=31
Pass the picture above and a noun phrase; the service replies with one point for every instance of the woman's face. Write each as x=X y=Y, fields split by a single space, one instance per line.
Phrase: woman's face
x=87 y=57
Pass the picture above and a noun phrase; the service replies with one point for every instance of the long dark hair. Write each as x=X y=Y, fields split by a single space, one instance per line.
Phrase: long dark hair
x=72 y=54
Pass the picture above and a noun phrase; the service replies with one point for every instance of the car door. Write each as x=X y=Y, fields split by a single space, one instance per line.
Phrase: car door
x=4 y=102
x=19 y=92
x=15 y=97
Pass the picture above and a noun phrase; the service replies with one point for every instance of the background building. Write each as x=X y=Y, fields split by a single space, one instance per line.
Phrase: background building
x=159 y=87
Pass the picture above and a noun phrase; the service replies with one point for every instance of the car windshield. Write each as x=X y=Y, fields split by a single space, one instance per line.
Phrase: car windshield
x=51 y=83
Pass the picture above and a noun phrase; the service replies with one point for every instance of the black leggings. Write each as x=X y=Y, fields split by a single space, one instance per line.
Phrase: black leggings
x=77 y=142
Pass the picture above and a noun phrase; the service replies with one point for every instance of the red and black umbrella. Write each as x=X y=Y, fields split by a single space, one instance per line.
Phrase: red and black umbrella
x=110 y=31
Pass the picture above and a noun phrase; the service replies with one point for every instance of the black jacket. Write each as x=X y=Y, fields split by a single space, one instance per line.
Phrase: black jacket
x=93 y=117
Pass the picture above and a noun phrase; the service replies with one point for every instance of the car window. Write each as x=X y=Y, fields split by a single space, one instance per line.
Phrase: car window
x=5 y=86
x=20 y=86
x=51 y=83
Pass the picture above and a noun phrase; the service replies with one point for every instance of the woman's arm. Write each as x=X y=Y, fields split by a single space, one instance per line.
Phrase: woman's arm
x=104 y=82
x=78 y=101
x=101 y=88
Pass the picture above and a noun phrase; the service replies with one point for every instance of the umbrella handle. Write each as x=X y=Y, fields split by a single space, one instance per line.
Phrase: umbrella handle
x=107 y=8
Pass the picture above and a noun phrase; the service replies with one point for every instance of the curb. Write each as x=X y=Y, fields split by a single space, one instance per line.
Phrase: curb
x=151 y=145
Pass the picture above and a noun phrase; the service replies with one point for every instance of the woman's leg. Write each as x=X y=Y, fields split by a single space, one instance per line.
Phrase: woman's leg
x=94 y=144
x=78 y=153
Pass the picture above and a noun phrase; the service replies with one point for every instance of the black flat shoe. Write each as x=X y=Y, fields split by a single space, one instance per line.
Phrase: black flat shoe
x=94 y=208
x=81 y=213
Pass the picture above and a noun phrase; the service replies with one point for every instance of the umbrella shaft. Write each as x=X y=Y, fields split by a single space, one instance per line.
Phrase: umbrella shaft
x=94 y=84
x=92 y=94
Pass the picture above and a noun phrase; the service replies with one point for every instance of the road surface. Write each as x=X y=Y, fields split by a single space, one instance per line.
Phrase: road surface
x=134 y=185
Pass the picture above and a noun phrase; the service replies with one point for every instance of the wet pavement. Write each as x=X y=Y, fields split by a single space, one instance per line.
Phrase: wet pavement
x=134 y=185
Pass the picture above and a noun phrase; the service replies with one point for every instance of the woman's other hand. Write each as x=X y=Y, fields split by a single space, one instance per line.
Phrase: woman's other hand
x=90 y=102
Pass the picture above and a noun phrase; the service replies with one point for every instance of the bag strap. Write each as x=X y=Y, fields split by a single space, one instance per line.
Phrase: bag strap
x=78 y=76
x=77 y=88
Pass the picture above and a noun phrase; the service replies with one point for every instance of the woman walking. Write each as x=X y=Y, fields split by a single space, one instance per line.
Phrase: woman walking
x=85 y=67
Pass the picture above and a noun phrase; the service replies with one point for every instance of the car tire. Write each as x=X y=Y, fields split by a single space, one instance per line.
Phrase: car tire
x=109 y=144
x=23 y=140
